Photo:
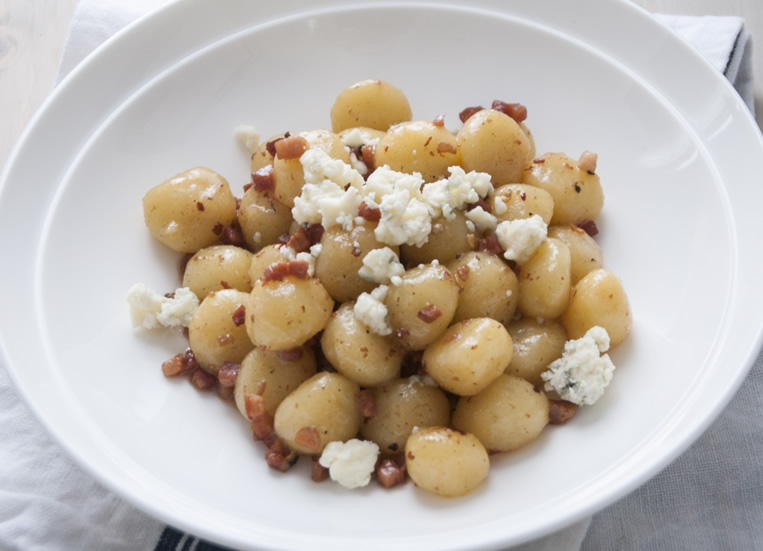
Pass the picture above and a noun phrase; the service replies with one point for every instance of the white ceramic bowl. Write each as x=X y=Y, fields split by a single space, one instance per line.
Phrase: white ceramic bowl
x=678 y=158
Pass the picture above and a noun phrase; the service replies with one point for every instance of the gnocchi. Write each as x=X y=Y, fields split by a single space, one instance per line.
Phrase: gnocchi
x=392 y=281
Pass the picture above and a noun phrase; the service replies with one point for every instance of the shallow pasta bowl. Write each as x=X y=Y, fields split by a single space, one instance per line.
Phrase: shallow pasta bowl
x=676 y=158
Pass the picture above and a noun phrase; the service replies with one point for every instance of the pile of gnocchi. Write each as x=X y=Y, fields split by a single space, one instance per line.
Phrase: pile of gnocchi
x=391 y=298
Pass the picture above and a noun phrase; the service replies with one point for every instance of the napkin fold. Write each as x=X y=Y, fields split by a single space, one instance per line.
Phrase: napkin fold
x=47 y=502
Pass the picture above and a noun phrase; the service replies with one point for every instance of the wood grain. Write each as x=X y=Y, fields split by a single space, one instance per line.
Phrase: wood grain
x=33 y=33
x=32 y=36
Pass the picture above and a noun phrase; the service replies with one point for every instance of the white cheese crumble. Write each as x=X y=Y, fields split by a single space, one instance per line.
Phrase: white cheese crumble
x=334 y=191
x=328 y=204
x=520 y=238
x=150 y=310
x=357 y=138
x=370 y=309
x=455 y=192
x=404 y=218
x=248 y=136
x=319 y=166
x=358 y=165
x=499 y=207
x=581 y=374
x=350 y=463
x=381 y=265
x=482 y=219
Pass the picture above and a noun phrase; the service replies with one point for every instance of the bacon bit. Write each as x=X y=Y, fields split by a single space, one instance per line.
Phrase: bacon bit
x=254 y=405
x=468 y=112
x=560 y=411
x=218 y=229
x=587 y=161
x=200 y=206
x=174 y=366
x=278 y=457
x=589 y=226
x=446 y=147
x=275 y=272
x=300 y=241
x=224 y=284
x=232 y=235
x=490 y=244
x=319 y=472
x=390 y=474
x=271 y=146
x=366 y=404
x=291 y=148
x=481 y=203
x=356 y=252
x=463 y=272
x=185 y=362
x=429 y=313
x=402 y=333
x=314 y=233
x=225 y=392
x=284 y=238
x=439 y=120
x=299 y=268
x=262 y=421
x=202 y=379
x=226 y=339
x=239 y=316
x=262 y=179
x=368 y=157
x=370 y=214
x=228 y=373
x=279 y=270
x=516 y=111
x=291 y=354
x=308 y=437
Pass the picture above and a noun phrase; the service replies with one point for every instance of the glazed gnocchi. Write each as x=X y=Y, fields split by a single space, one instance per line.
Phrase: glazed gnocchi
x=391 y=294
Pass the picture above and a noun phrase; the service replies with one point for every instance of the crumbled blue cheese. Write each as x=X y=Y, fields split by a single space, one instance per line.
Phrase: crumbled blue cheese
x=151 y=310
x=358 y=165
x=455 y=192
x=334 y=190
x=319 y=166
x=371 y=310
x=582 y=373
x=381 y=265
x=248 y=136
x=350 y=463
x=404 y=219
x=328 y=204
x=499 y=207
x=520 y=238
x=482 y=219
x=357 y=137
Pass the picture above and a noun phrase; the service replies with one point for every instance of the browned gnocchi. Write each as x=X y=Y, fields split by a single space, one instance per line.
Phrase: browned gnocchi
x=391 y=294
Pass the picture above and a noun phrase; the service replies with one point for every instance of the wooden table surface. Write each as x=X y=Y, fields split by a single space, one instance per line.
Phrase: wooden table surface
x=32 y=35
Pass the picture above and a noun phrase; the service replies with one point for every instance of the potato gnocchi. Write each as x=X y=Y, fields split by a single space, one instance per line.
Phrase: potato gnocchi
x=392 y=291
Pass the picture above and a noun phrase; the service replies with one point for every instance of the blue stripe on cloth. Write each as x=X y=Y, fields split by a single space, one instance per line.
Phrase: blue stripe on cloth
x=175 y=540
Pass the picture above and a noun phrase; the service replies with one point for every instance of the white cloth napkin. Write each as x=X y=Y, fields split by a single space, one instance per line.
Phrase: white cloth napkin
x=710 y=498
